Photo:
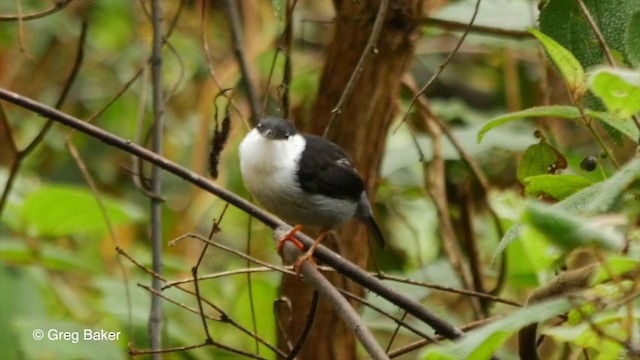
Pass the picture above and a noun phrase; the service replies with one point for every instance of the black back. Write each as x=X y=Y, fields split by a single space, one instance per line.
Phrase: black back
x=325 y=169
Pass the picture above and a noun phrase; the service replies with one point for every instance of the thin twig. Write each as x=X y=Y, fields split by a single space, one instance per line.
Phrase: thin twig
x=369 y=50
x=157 y=353
x=262 y=269
x=460 y=26
x=286 y=44
x=212 y=74
x=216 y=244
x=184 y=306
x=342 y=307
x=445 y=62
x=237 y=37
x=400 y=322
x=223 y=316
x=304 y=334
x=423 y=342
x=58 y=5
x=22 y=154
x=603 y=45
x=434 y=178
x=489 y=297
x=155 y=314
x=194 y=272
x=473 y=166
x=252 y=307
x=597 y=33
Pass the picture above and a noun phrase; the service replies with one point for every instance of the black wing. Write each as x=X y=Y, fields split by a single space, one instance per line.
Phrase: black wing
x=325 y=169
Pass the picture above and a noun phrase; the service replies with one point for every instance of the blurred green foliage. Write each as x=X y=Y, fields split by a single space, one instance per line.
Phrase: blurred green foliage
x=58 y=266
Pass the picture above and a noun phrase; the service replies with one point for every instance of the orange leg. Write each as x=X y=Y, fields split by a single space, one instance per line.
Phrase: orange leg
x=290 y=236
x=307 y=255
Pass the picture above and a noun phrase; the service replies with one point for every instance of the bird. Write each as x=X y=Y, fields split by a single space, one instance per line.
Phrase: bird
x=305 y=180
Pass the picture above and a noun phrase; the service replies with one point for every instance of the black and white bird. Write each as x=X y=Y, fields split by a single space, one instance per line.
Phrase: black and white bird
x=303 y=179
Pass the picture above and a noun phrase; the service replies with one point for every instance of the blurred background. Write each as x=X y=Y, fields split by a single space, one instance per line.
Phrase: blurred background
x=58 y=266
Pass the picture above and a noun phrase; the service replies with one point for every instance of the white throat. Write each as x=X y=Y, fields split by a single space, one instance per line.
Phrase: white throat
x=261 y=156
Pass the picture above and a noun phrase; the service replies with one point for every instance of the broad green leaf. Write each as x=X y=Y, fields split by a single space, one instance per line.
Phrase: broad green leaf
x=582 y=333
x=481 y=343
x=595 y=199
x=554 y=186
x=564 y=112
x=604 y=197
x=570 y=68
x=632 y=39
x=563 y=21
x=64 y=210
x=567 y=230
x=539 y=159
x=619 y=90
x=625 y=126
x=615 y=267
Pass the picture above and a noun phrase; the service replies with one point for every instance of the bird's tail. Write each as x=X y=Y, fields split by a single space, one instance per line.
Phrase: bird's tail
x=365 y=215
x=374 y=230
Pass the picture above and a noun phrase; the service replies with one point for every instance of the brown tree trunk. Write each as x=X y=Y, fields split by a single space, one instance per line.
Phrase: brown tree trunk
x=360 y=130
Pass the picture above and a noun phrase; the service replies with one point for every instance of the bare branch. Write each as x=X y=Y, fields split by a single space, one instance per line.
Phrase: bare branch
x=57 y=6
x=155 y=314
x=344 y=310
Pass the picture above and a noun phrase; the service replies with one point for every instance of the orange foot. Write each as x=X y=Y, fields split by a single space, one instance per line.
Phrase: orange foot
x=290 y=236
x=307 y=256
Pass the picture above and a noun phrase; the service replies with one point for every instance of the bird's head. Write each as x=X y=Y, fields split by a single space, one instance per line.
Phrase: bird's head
x=276 y=128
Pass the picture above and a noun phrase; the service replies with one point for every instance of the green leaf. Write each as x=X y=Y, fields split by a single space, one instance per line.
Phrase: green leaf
x=632 y=39
x=602 y=197
x=570 y=68
x=565 y=23
x=64 y=210
x=481 y=343
x=554 y=186
x=595 y=199
x=280 y=9
x=567 y=230
x=539 y=159
x=564 y=112
x=615 y=266
x=623 y=125
x=619 y=89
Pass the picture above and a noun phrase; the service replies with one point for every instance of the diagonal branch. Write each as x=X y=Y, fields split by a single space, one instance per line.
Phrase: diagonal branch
x=322 y=253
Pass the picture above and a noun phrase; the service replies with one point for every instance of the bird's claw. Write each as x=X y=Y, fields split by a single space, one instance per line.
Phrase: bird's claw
x=290 y=236
x=307 y=256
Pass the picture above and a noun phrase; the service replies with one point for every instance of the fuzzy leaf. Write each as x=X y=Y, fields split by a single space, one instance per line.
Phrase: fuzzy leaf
x=564 y=112
x=632 y=39
x=539 y=159
x=567 y=230
x=554 y=186
x=570 y=68
x=481 y=344
x=619 y=90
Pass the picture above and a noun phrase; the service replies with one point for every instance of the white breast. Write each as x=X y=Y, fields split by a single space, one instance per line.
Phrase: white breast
x=270 y=172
